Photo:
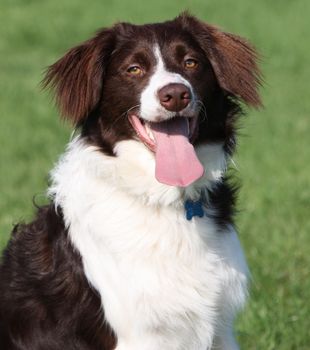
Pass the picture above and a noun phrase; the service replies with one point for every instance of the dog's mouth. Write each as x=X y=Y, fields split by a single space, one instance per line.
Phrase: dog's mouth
x=172 y=142
x=145 y=129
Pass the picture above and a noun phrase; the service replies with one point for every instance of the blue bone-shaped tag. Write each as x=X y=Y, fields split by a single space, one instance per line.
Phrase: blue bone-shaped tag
x=193 y=209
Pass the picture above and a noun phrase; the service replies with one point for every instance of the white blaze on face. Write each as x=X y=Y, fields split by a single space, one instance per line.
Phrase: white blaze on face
x=151 y=109
x=176 y=163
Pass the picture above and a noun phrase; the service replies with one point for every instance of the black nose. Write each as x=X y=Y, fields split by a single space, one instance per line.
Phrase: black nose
x=174 y=97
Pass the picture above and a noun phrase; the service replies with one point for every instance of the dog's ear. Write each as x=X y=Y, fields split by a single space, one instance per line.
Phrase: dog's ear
x=77 y=77
x=233 y=59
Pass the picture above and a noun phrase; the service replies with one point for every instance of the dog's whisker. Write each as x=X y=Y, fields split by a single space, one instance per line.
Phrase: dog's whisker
x=125 y=114
x=131 y=108
x=202 y=108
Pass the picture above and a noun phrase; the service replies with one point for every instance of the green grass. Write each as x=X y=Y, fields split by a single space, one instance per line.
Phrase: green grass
x=272 y=159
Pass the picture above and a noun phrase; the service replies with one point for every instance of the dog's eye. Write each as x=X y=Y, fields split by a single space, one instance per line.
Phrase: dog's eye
x=190 y=63
x=135 y=70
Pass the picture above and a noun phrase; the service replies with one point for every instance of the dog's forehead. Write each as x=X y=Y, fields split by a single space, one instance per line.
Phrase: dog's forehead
x=165 y=36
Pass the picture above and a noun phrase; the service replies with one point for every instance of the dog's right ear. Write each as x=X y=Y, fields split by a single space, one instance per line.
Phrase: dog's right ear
x=77 y=77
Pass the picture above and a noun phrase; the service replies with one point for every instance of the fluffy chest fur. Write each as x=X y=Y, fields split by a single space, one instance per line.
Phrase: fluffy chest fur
x=163 y=280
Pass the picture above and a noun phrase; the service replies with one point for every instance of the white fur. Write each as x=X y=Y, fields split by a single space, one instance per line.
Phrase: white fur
x=151 y=109
x=165 y=282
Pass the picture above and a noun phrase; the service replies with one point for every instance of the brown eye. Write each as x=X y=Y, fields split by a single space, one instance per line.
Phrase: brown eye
x=190 y=63
x=134 y=70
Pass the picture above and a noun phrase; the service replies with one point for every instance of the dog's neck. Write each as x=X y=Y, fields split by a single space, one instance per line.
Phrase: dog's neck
x=84 y=168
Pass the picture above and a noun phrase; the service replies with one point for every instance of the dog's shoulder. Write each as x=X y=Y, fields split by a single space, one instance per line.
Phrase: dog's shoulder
x=32 y=245
x=43 y=290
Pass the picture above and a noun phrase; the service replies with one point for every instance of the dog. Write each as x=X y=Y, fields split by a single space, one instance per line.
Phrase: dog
x=137 y=249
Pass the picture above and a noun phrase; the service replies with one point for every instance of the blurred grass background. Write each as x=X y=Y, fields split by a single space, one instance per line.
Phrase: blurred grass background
x=273 y=156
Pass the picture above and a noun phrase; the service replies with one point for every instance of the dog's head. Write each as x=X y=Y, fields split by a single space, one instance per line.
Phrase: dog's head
x=170 y=85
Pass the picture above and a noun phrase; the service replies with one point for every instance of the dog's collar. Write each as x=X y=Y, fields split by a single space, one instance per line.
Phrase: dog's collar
x=193 y=208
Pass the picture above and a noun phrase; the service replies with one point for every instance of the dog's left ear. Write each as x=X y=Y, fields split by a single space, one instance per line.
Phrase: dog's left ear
x=77 y=77
x=233 y=59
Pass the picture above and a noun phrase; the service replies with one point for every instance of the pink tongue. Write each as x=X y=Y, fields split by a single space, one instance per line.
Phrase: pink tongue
x=176 y=160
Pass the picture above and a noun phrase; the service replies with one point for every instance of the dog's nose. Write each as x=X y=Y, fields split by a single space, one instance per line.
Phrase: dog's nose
x=174 y=97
